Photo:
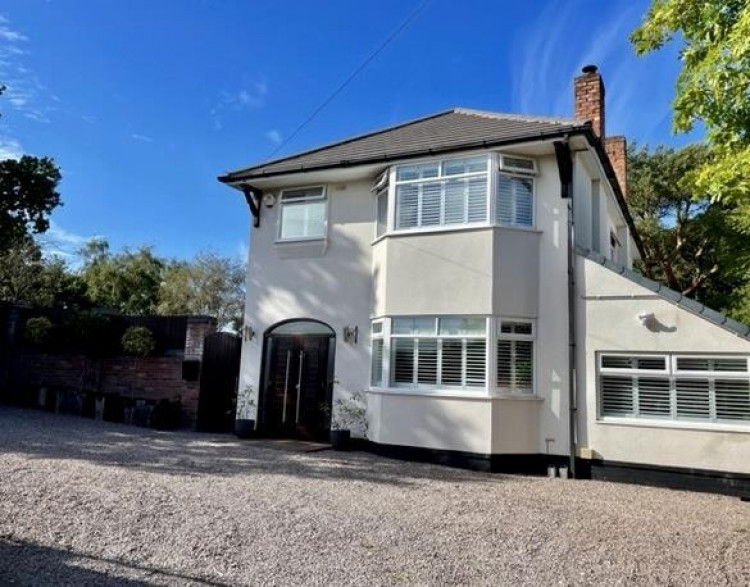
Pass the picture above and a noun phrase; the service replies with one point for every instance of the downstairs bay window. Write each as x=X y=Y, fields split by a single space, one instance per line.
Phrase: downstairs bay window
x=706 y=388
x=445 y=352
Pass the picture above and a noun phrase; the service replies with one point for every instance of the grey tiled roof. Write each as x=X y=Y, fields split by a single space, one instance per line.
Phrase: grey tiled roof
x=671 y=295
x=442 y=132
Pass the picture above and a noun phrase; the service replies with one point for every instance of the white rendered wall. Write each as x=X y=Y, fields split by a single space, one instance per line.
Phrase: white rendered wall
x=608 y=308
x=332 y=284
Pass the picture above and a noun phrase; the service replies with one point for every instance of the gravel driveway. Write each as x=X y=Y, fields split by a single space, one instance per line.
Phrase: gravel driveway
x=88 y=502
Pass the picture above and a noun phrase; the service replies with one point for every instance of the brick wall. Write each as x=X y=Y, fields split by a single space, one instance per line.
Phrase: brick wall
x=152 y=378
x=198 y=327
x=589 y=98
x=617 y=151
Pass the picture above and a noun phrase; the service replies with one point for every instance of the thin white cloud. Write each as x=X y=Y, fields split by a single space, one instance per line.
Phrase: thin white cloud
x=12 y=36
x=250 y=96
x=274 y=136
x=59 y=242
x=143 y=138
x=10 y=149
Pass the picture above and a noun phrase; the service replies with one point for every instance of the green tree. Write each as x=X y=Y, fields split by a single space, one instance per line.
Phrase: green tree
x=713 y=87
x=209 y=284
x=689 y=240
x=27 y=277
x=127 y=282
x=28 y=194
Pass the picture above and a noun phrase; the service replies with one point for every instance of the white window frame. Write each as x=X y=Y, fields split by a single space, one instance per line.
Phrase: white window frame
x=415 y=385
x=394 y=183
x=672 y=375
x=515 y=225
x=382 y=193
x=500 y=335
x=381 y=337
x=279 y=216
x=511 y=170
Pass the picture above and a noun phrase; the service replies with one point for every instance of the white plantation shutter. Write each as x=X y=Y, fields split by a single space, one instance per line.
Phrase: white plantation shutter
x=617 y=395
x=476 y=199
x=514 y=201
x=693 y=399
x=515 y=357
x=407 y=206
x=403 y=360
x=476 y=371
x=454 y=192
x=732 y=399
x=431 y=202
x=377 y=362
x=689 y=388
x=447 y=351
x=455 y=202
x=452 y=363
x=427 y=361
x=654 y=397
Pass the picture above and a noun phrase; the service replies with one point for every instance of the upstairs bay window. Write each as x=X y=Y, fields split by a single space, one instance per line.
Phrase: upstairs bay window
x=456 y=193
x=303 y=214
x=442 y=193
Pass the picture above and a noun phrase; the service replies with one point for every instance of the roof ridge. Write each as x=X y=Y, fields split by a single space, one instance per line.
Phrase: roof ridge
x=516 y=116
x=342 y=142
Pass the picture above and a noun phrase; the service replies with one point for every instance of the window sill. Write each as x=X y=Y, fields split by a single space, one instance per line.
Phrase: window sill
x=455 y=228
x=436 y=393
x=528 y=397
x=674 y=425
x=302 y=240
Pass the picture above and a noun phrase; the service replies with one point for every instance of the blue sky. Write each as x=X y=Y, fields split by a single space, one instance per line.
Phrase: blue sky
x=143 y=103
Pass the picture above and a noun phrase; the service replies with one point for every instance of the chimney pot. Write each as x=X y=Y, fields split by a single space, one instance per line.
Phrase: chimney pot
x=589 y=69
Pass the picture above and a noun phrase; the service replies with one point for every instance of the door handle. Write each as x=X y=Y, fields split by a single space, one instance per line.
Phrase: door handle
x=286 y=385
x=299 y=383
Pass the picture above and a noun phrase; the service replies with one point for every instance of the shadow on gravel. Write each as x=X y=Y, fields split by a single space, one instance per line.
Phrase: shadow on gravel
x=48 y=436
x=24 y=563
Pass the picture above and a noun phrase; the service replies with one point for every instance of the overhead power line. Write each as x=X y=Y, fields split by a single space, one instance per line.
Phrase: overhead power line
x=353 y=75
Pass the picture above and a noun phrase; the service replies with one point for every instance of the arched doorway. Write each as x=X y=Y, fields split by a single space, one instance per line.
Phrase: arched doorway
x=297 y=379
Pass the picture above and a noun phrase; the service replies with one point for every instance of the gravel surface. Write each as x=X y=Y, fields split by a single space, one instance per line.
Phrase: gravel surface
x=88 y=502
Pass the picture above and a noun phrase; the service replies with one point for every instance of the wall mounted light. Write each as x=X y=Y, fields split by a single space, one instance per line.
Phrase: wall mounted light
x=351 y=334
x=647 y=319
x=269 y=200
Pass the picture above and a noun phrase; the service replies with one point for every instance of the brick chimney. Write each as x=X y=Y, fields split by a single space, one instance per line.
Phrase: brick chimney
x=589 y=105
x=589 y=98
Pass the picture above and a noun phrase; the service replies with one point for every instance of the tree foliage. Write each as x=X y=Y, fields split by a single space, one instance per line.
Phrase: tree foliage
x=127 y=282
x=138 y=341
x=28 y=194
x=27 y=277
x=690 y=241
x=209 y=284
x=713 y=87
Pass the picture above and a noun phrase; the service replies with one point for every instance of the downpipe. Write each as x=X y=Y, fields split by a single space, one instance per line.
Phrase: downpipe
x=565 y=168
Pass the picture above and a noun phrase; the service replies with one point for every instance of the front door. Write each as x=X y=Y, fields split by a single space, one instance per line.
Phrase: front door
x=297 y=396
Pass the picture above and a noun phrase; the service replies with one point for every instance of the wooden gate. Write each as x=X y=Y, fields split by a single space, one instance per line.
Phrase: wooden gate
x=220 y=371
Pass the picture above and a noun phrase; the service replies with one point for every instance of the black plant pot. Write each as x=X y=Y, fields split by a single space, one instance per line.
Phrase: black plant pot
x=244 y=428
x=340 y=439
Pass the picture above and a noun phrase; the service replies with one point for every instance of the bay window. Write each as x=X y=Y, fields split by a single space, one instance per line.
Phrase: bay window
x=432 y=352
x=456 y=193
x=376 y=371
x=442 y=193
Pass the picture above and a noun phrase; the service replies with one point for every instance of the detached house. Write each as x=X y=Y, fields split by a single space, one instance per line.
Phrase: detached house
x=469 y=274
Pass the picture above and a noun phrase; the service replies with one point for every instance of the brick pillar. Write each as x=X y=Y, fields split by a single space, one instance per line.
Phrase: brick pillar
x=617 y=151
x=198 y=327
x=588 y=100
